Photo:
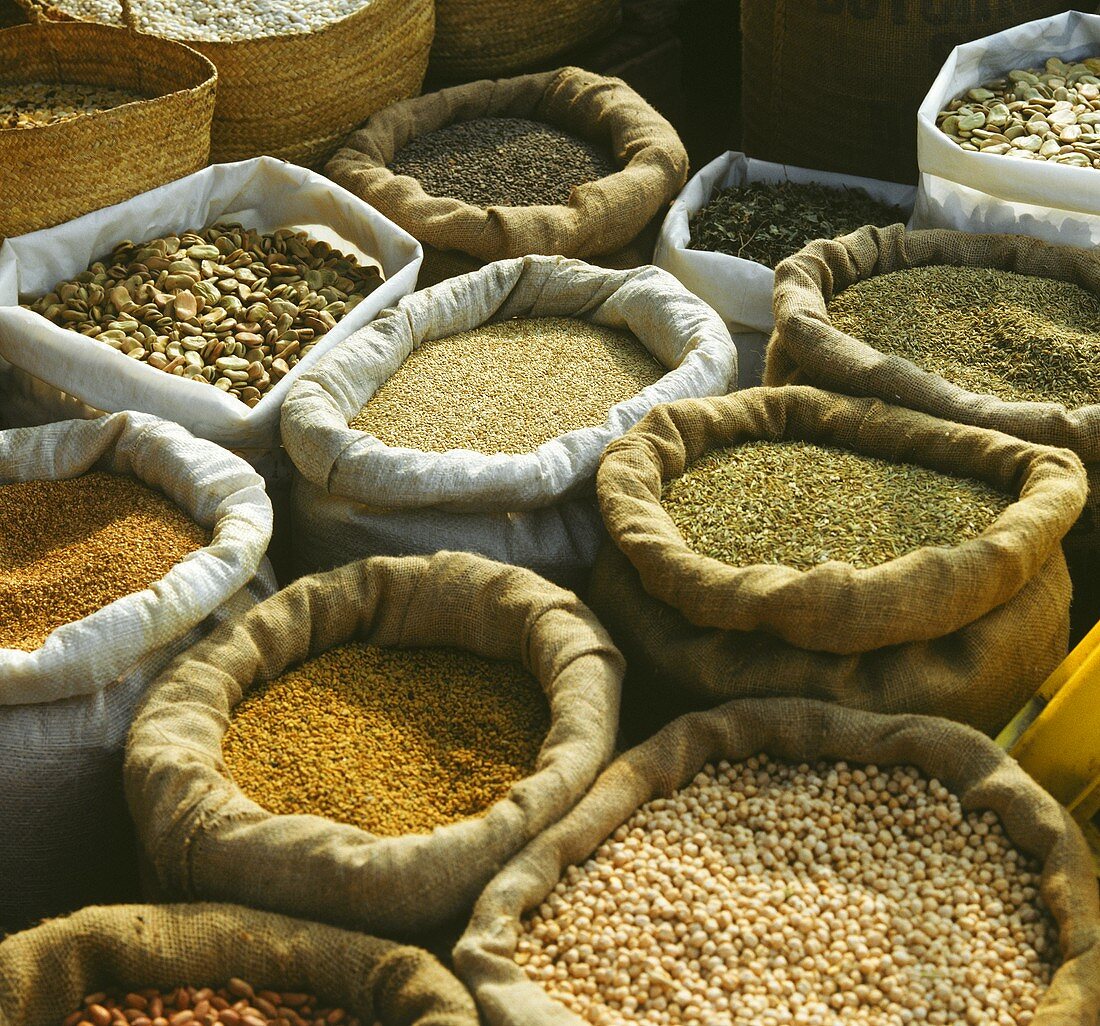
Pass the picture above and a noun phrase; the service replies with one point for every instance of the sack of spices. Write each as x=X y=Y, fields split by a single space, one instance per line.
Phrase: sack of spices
x=791 y=541
x=473 y=415
x=489 y=38
x=135 y=117
x=125 y=540
x=232 y=280
x=157 y=963
x=787 y=860
x=1007 y=136
x=738 y=218
x=562 y=162
x=370 y=745
x=294 y=78
x=993 y=330
x=836 y=85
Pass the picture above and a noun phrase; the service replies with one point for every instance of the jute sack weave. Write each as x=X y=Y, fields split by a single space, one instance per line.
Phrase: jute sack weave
x=966 y=763
x=806 y=349
x=489 y=38
x=297 y=97
x=354 y=496
x=66 y=708
x=967 y=631
x=53 y=173
x=46 y=972
x=602 y=218
x=205 y=839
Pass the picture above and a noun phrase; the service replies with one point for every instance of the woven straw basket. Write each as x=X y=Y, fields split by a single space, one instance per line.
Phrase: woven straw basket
x=492 y=38
x=298 y=96
x=54 y=173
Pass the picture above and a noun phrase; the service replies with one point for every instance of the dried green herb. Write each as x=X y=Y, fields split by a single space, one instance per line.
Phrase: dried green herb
x=799 y=504
x=768 y=222
x=1020 y=338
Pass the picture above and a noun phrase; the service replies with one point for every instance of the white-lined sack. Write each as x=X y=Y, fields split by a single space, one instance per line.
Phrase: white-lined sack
x=986 y=193
x=58 y=374
x=355 y=496
x=66 y=708
x=741 y=290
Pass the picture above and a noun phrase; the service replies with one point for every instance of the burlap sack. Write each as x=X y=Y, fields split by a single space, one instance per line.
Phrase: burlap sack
x=46 y=972
x=65 y=708
x=601 y=218
x=969 y=765
x=205 y=839
x=489 y=38
x=354 y=496
x=968 y=631
x=806 y=348
x=836 y=85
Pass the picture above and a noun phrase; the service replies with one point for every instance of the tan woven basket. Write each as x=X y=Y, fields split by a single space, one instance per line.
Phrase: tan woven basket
x=298 y=96
x=54 y=173
x=490 y=38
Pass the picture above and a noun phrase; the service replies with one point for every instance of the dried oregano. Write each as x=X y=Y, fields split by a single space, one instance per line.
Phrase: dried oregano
x=768 y=222
x=1013 y=336
x=798 y=504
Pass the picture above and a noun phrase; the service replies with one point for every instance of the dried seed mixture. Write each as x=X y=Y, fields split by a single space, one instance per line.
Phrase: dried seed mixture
x=768 y=893
x=34 y=104
x=218 y=20
x=1020 y=338
x=238 y=1003
x=768 y=222
x=508 y=387
x=502 y=162
x=799 y=505
x=229 y=306
x=1049 y=113
x=71 y=547
x=393 y=741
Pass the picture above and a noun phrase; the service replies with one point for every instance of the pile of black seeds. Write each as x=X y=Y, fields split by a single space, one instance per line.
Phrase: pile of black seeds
x=768 y=222
x=502 y=162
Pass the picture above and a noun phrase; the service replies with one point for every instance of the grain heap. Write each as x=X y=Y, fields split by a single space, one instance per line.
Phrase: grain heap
x=217 y=20
x=228 y=305
x=509 y=386
x=1014 y=336
x=1049 y=113
x=238 y=1003
x=71 y=547
x=393 y=741
x=34 y=104
x=800 y=504
x=769 y=221
x=765 y=892
x=507 y=162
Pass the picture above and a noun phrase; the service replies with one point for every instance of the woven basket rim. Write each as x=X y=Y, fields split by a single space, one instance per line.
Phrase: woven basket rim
x=204 y=70
x=55 y=15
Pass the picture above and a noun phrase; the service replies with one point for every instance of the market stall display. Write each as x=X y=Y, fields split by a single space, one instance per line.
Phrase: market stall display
x=125 y=541
x=472 y=416
x=278 y=286
x=377 y=625
x=146 y=108
x=152 y=957
x=293 y=78
x=604 y=219
x=701 y=880
x=885 y=594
